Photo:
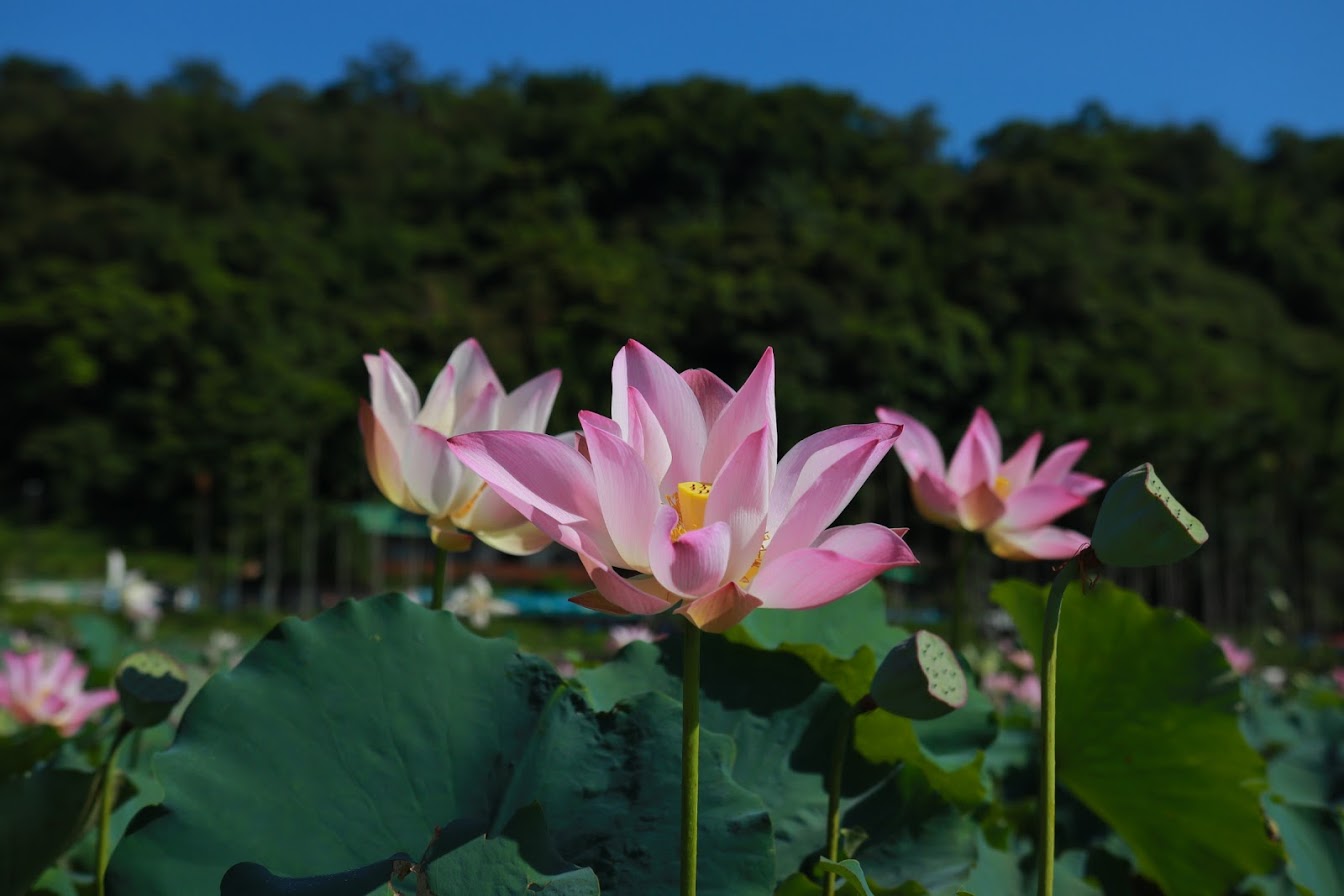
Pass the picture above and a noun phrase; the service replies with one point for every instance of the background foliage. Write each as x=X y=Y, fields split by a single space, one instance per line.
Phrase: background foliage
x=189 y=276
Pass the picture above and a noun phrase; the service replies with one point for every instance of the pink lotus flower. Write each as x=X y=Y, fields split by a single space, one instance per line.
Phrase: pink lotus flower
x=1239 y=658
x=1337 y=674
x=47 y=688
x=682 y=485
x=406 y=447
x=1011 y=500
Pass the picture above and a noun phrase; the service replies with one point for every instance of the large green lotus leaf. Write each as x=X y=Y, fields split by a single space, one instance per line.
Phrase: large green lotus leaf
x=1313 y=838
x=844 y=641
x=784 y=718
x=1148 y=736
x=41 y=815
x=342 y=741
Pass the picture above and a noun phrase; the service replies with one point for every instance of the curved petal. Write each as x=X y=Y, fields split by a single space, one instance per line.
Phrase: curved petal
x=520 y=541
x=432 y=473
x=1045 y=543
x=978 y=455
x=826 y=483
x=1017 y=469
x=384 y=464
x=625 y=491
x=528 y=408
x=544 y=479
x=1060 y=463
x=1036 y=505
x=980 y=508
x=641 y=595
x=741 y=499
x=670 y=399
x=917 y=447
x=711 y=392
x=645 y=434
x=486 y=512
x=843 y=559
x=440 y=408
x=694 y=564
x=721 y=610
x=1082 y=484
x=472 y=372
x=750 y=410
x=799 y=467
x=935 y=500
x=393 y=396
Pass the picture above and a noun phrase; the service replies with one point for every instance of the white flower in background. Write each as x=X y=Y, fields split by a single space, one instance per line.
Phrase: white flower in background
x=477 y=602
x=223 y=648
x=620 y=635
x=140 y=603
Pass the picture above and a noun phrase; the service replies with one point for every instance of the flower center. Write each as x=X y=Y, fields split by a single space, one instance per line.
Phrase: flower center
x=1002 y=487
x=689 y=502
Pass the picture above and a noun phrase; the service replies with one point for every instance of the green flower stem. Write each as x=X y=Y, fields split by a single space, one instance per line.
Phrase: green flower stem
x=107 y=797
x=833 y=781
x=962 y=558
x=690 y=758
x=440 y=568
x=1046 y=848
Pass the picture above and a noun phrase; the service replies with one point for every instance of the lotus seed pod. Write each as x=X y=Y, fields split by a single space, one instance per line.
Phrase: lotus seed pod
x=149 y=684
x=1142 y=524
x=920 y=679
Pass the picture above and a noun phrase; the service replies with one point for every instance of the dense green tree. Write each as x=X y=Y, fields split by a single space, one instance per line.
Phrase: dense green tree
x=188 y=277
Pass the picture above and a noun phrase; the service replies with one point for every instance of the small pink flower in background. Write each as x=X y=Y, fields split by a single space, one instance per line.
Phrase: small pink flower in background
x=1011 y=501
x=683 y=486
x=406 y=445
x=47 y=688
x=1241 y=659
x=1028 y=691
x=1337 y=674
x=620 y=635
x=1001 y=685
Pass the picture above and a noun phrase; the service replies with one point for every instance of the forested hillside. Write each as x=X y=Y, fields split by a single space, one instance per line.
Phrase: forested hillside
x=188 y=278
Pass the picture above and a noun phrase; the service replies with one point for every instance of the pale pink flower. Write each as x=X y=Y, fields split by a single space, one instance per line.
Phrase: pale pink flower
x=1337 y=674
x=1011 y=501
x=47 y=688
x=619 y=636
x=999 y=684
x=406 y=445
x=1028 y=691
x=1241 y=659
x=1022 y=659
x=683 y=486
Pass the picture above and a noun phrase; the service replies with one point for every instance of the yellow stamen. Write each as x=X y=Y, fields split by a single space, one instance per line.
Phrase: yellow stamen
x=755 y=564
x=1002 y=487
x=689 y=502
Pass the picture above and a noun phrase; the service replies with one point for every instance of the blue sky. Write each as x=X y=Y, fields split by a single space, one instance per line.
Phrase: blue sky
x=1242 y=65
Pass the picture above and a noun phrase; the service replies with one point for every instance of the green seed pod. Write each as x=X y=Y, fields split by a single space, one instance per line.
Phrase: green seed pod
x=149 y=684
x=1142 y=524
x=920 y=679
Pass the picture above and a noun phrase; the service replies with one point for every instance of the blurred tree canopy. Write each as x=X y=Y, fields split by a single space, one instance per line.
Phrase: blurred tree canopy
x=188 y=277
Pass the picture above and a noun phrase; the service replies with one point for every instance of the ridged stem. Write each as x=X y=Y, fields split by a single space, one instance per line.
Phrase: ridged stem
x=1045 y=884
x=690 y=758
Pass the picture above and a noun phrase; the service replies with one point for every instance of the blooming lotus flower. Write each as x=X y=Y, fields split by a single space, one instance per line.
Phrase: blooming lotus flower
x=408 y=457
x=1240 y=659
x=1011 y=501
x=47 y=688
x=1337 y=674
x=682 y=485
x=476 y=601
